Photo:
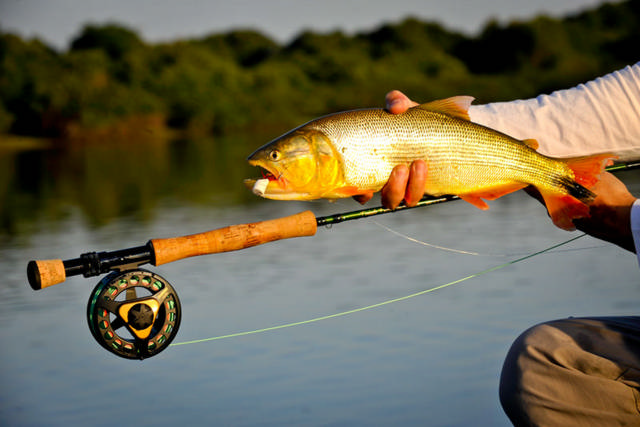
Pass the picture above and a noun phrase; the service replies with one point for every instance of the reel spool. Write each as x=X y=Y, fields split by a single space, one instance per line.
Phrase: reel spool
x=134 y=314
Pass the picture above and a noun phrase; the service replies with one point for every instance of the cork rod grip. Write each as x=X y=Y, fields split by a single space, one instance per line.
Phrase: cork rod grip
x=233 y=237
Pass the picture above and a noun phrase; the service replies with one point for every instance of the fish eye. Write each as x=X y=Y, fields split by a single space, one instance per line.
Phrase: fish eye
x=274 y=155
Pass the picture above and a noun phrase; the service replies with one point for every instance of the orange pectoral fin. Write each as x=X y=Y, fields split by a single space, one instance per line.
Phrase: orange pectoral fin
x=475 y=201
x=564 y=209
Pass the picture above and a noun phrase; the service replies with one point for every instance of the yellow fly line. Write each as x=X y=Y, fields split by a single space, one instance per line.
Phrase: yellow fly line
x=383 y=303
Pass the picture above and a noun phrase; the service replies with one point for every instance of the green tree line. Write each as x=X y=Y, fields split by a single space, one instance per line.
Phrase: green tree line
x=110 y=82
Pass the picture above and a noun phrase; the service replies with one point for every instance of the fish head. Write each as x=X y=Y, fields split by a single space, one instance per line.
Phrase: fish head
x=300 y=165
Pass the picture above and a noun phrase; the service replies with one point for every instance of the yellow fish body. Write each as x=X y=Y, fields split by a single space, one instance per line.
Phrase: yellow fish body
x=353 y=152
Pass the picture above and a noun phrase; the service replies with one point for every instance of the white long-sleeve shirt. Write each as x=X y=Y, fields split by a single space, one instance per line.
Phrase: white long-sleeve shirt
x=601 y=116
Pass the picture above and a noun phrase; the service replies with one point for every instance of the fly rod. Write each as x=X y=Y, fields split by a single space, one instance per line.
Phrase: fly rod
x=135 y=313
x=45 y=273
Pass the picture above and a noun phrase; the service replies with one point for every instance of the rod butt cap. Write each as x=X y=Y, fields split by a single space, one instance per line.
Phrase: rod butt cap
x=45 y=273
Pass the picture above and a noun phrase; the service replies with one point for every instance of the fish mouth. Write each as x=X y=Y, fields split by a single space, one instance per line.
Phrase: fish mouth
x=266 y=172
x=274 y=186
x=268 y=184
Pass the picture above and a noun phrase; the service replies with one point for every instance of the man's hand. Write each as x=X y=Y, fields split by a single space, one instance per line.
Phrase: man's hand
x=397 y=102
x=610 y=212
x=405 y=182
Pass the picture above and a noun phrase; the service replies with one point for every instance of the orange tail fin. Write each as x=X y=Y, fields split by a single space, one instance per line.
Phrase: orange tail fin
x=588 y=169
x=563 y=209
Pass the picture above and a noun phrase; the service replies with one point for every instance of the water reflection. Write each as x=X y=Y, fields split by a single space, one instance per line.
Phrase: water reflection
x=107 y=181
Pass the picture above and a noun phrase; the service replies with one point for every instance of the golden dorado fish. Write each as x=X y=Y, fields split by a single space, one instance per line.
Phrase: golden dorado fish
x=353 y=152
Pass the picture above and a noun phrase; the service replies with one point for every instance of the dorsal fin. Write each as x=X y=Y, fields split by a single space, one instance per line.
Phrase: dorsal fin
x=456 y=106
x=531 y=143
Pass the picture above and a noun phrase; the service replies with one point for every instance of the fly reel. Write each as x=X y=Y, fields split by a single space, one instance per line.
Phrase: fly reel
x=134 y=314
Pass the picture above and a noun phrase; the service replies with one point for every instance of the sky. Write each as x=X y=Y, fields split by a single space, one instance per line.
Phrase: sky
x=57 y=22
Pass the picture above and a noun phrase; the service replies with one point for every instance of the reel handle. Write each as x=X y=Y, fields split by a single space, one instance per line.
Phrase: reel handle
x=45 y=273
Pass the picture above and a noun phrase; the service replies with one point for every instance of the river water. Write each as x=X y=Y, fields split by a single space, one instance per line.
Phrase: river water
x=433 y=359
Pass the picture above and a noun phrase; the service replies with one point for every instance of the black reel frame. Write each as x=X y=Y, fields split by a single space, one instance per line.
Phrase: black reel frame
x=134 y=314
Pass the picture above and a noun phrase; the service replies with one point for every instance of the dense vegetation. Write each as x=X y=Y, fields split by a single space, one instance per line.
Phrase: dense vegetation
x=110 y=82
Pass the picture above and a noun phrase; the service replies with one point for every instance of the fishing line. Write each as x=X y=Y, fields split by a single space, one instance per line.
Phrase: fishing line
x=423 y=243
x=383 y=303
x=463 y=252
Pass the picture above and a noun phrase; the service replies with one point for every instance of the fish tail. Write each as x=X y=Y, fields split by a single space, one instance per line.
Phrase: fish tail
x=587 y=169
x=564 y=208
x=578 y=191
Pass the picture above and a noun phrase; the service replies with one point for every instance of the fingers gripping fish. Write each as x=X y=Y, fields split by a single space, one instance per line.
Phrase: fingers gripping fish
x=353 y=152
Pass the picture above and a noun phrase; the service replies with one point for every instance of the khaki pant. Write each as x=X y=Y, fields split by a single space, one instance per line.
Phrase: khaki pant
x=574 y=372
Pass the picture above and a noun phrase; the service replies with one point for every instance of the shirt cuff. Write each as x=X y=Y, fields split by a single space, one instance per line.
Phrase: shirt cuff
x=635 y=226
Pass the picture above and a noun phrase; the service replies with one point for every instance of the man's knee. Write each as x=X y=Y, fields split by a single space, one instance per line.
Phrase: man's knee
x=519 y=376
x=567 y=371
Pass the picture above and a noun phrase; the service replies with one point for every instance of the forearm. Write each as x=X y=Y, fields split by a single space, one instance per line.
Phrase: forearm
x=600 y=116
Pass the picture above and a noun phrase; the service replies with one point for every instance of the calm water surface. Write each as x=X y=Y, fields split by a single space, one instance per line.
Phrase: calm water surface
x=430 y=360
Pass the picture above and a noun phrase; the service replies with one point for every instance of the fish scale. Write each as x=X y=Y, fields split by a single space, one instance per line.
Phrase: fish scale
x=461 y=156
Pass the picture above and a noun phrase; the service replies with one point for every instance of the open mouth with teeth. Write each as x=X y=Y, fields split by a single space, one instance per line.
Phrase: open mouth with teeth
x=268 y=175
x=269 y=183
